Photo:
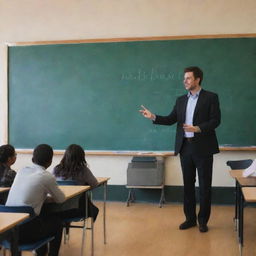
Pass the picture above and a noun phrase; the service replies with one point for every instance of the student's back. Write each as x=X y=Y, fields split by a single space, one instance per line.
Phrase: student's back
x=31 y=186
x=83 y=177
x=73 y=166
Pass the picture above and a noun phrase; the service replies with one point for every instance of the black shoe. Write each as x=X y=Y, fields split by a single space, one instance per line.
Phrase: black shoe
x=187 y=224
x=203 y=228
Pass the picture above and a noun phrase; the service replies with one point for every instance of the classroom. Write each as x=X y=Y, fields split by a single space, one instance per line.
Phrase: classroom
x=28 y=22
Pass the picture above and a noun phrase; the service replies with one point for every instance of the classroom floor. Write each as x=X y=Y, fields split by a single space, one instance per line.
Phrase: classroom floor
x=145 y=229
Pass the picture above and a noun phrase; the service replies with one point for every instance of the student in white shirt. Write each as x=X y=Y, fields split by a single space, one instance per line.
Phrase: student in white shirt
x=30 y=188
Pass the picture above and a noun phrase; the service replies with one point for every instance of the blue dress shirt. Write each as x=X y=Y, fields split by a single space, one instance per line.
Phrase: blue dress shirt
x=191 y=105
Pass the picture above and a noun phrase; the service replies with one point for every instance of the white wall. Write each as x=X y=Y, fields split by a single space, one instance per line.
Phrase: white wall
x=35 y=20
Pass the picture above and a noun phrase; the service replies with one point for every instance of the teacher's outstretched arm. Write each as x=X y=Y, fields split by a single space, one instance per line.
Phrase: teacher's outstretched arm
x=146 y=113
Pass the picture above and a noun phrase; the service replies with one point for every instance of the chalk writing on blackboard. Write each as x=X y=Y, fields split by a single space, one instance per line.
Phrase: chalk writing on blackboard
x=153 y=74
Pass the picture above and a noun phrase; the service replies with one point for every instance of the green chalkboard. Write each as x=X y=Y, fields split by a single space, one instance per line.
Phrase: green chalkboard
x=90 y=93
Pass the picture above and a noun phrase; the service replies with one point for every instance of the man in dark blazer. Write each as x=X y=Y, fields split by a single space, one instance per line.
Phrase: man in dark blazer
x=197 y=114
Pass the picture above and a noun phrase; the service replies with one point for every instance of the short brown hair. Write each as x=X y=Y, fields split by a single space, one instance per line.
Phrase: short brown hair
x=197 y=72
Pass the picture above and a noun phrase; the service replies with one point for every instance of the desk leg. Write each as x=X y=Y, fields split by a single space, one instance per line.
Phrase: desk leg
x=131 y=197
x=241 y=221
x=92 y=240
x=162 y=199
x=14 y=242
x=85 y=224
x=236 y=205
x=104 y=212
x=238 y=210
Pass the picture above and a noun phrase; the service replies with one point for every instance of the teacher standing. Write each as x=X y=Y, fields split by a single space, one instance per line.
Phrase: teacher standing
x=197 y=115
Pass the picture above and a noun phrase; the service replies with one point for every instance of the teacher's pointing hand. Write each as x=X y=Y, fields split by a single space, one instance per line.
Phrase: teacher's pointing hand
x=146 y=113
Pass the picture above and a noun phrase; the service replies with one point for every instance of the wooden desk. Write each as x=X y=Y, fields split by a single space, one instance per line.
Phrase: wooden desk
x=10 y=219
x=4 y=189
x=8 y=228
x=103 y=181
x=72 y=191
x=236 y=173
x=246 y=181
x=240 y=182
x=245 y=191
x=248 y=195
x=243 y=181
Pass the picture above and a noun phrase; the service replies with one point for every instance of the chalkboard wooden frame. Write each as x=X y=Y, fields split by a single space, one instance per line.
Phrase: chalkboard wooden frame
x=134 y=153
x=5 y=93
x=131 y=39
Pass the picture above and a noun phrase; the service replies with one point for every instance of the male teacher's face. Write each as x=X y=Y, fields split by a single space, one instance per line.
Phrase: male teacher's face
x=190 y=82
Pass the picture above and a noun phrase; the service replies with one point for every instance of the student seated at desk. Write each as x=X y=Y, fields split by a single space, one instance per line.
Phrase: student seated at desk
x=73 y=166
x=7 y=159
x=30 y=188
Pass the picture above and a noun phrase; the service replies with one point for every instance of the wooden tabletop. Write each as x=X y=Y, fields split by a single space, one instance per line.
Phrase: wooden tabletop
x=72 y=191
x=249 y=194
x=3 y=189
x=10 y=219
x=102 y=180
x=236 y=173
x=247 y=181
x=243 y=181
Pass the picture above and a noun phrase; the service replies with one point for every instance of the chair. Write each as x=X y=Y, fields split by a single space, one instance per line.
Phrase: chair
x=238 y=165
x=68 y=221
x=67 y=182
x=29 y=246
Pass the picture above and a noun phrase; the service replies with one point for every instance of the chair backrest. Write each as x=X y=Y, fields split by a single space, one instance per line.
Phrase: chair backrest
x=67 y=182
x=239 y=164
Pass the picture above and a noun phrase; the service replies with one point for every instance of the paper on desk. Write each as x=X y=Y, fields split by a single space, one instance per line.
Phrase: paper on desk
x=251 y=170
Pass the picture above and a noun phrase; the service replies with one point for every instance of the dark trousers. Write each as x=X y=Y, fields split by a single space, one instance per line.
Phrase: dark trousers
x=39 y=228
x=92 y=210
x=190 y=162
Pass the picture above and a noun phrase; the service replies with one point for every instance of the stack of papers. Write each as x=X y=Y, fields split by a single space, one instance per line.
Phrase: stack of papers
x=251 y=170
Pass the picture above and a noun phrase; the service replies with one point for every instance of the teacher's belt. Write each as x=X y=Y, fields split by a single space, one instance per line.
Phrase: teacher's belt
x=190 y=140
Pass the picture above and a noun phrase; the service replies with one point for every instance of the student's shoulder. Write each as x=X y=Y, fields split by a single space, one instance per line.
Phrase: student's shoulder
x=48 y=180
x=25 y=171
x=11 y=172
x=48 y=177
